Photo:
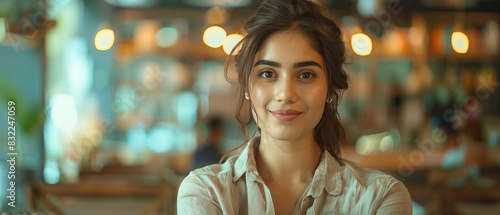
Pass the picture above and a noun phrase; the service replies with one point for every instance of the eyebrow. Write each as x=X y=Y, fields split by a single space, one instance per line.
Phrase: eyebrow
x=295 y=65
x=267 y=62
x=306 y=63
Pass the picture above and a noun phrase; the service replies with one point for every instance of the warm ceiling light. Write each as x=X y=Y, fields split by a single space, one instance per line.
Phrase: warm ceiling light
x=214 y=36
x=460 y=42
x=361 y=44
x=230 y=42
x=104 y=39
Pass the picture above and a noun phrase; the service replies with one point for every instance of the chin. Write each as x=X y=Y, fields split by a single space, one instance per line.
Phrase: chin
x=286 y=134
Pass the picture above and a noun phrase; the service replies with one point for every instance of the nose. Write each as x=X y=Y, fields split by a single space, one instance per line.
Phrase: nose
x=285 y=90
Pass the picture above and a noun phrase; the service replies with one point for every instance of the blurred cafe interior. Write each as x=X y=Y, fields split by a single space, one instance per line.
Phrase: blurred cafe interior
x=116 y=101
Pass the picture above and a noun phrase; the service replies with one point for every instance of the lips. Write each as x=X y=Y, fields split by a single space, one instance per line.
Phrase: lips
x=285 y=115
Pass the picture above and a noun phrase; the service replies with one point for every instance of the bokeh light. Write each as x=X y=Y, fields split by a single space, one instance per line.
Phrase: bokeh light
x=51 y=173
x=230 y=42
x=367 y=8
x=386 y=143
x=167 y=37
x=364 y=145
x=162 y=139
x=361 y=44
x=104 y=39
x=453 y=158
x=214 y=36
x=136 y=137
x=63 y=112
x=187 y=109
x=460 y=42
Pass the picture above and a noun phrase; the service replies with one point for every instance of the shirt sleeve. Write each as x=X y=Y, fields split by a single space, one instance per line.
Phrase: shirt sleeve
x=396 y=199
x=194 y=198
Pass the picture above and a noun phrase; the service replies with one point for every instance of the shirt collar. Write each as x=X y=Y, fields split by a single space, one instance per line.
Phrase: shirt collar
x=246 y=161
x=327 y=175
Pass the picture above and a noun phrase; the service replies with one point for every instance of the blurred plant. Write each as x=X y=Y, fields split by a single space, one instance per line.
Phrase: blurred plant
x=29 y=118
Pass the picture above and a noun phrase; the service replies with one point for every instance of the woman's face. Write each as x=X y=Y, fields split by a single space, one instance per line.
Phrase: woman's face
x=288 y=87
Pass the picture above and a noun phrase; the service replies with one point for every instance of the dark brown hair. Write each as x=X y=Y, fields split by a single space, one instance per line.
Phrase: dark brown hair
x=313 y=22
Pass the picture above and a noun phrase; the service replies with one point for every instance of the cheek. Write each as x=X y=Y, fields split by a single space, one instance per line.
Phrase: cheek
x=316 y=100
x=259 y=96
x=317 y=104
x=259 y=103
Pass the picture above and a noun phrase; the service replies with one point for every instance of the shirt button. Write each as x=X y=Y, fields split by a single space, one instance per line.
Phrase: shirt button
x=307 y=203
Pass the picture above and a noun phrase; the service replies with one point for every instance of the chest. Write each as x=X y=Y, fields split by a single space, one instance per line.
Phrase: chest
x=285 y=196
x=265 y=198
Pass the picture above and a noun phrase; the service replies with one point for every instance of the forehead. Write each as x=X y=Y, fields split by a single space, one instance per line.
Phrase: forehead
x=288 y=46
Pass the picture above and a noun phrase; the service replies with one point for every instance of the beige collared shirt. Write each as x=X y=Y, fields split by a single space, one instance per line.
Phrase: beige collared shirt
x=235 y=187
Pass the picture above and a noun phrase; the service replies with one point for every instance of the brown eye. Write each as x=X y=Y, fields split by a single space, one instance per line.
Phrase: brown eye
x=266 y=74
x=306 y=75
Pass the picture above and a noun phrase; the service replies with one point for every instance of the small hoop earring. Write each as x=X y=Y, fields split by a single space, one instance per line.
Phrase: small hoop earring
x=246 y=96
x=329 y=101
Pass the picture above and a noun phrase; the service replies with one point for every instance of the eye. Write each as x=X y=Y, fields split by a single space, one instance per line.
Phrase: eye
x=266 y=74
x=307 y=75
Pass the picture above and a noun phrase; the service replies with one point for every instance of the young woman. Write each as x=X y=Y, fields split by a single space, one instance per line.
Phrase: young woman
x=290 y=71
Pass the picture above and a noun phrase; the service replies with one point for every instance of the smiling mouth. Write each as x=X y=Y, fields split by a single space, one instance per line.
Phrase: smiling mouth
x=285 y=115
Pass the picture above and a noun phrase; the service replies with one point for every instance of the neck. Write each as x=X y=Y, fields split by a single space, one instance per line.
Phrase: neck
x=288 y=161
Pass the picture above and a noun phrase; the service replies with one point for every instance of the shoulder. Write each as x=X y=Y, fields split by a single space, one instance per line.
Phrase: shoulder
x=215 y=189
x=390 y=194
x=209 y=176
x=367 y=177
x=203 y=191
x=216 y=170
x=199 y=192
